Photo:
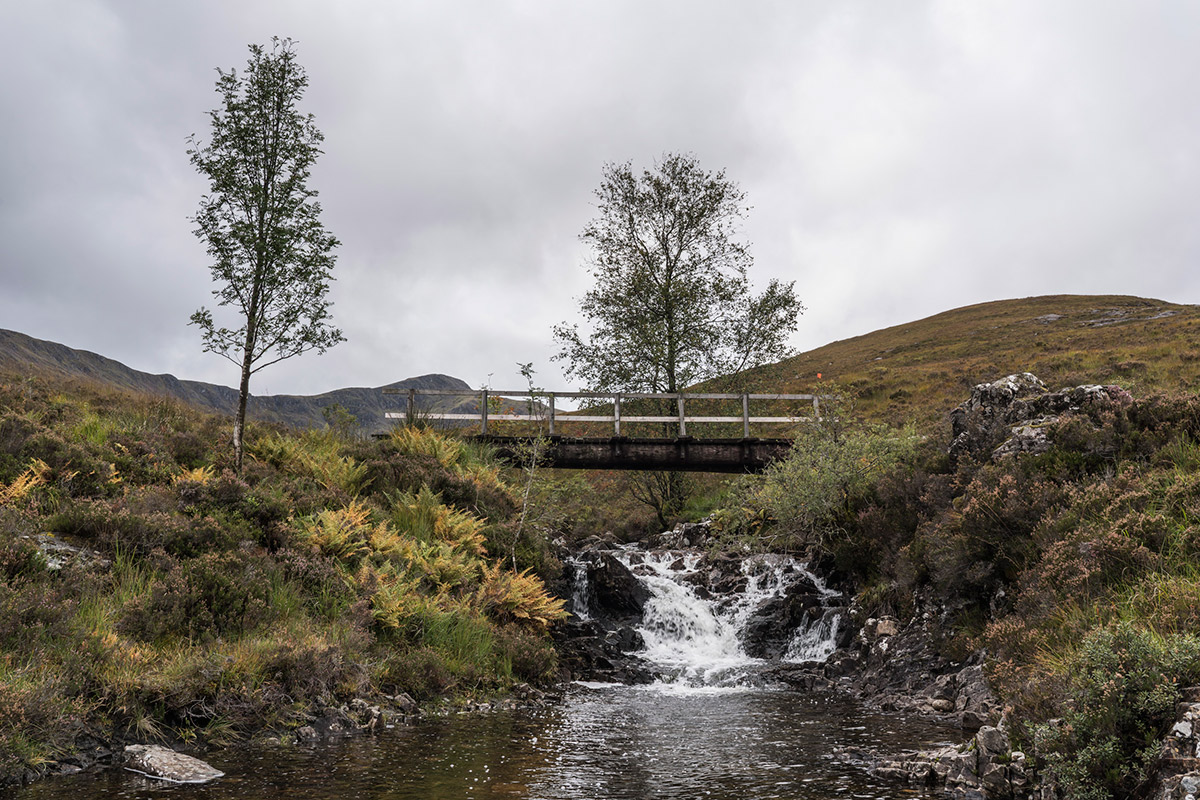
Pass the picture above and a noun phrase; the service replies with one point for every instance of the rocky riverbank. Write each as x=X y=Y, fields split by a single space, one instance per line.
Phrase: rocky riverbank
x=175 y=761
x=806 y=636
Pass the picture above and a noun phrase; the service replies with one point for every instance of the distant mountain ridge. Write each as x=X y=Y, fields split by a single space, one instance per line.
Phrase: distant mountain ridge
x=19 y=352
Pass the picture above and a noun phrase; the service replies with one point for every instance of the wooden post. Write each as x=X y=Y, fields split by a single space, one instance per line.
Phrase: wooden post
x=745 y=416
x=817 y=407
x=412 y=407
x=552 y=413
x=682 y=420
x=617 y=415
x=483 y=409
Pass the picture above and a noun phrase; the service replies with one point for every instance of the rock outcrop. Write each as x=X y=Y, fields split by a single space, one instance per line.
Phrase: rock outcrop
x=986 y=766
x=1179 y=767
x=615 y=593
x=1014 y=415
x=606 y=601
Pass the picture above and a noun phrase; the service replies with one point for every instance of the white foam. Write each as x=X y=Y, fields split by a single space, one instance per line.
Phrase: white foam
x=697 y=641
x=598 y=684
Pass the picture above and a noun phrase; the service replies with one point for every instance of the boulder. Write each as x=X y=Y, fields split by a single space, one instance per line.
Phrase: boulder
x=164 y=764
x=1015 y=414
x=614 y=591
x=589 y=651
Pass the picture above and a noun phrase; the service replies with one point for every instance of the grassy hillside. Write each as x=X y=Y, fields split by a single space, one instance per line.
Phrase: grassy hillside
x=147 y=592
x=1073 y=570
x=918 y=371
x=25 y=355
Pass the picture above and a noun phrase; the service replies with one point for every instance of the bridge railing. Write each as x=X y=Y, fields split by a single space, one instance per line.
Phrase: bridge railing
x=548 y=413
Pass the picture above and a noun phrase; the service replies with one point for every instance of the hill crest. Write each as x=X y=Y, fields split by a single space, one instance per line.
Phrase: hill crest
x=920 y=370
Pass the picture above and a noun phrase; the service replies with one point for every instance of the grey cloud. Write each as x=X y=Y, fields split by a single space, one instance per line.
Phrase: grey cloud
x=901 y=160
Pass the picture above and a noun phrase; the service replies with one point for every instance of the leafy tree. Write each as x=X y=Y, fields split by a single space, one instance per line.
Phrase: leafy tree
x=672 y=304
x=260 y=221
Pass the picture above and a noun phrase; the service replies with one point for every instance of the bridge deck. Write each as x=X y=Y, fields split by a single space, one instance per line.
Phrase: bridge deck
x=683 y=454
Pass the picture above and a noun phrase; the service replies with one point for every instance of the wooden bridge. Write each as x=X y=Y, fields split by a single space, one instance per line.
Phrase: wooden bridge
x=681 y=452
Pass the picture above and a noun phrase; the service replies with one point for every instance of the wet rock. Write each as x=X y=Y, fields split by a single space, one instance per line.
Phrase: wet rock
x=589 y=651
x=163 y=763
x=771 y=627
x=683 y=535
x=615 y=592
x=405 y=704
x=982 y=768
x=808 y=677
x=625 y=639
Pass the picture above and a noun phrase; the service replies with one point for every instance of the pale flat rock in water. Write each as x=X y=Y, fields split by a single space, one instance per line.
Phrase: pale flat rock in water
x=163 y=763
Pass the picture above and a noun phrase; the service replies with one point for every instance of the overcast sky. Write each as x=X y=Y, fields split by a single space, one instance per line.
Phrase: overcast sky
x=901 y=159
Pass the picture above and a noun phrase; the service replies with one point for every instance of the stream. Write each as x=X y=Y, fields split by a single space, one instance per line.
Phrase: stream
x=710 y=725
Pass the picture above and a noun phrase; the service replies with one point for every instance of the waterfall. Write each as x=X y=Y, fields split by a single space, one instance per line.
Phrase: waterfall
x=817 y=641
x=695 y=623
x=579 y=589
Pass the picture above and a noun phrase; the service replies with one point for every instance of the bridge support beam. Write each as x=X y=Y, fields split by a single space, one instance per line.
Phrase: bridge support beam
x=683 y=454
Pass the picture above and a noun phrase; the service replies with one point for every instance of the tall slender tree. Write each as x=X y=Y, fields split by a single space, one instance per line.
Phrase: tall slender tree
x=672 y=304
x=260 y=222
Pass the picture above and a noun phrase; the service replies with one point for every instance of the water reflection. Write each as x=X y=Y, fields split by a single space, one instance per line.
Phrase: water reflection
x=608 y=743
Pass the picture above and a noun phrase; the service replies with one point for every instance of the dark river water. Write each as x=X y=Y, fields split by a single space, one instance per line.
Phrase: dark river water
x=599 y=743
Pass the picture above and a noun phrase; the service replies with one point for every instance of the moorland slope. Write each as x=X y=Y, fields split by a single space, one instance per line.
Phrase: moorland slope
x=918 y=371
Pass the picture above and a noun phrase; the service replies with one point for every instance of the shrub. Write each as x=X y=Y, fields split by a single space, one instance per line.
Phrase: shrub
x=423 y=516
x=812 y=493
x=528 y=657
x=35 y=611
x=25 y=483
x=327 y=591
x=188 y=449
x=143 y=531
x=427 y=442
x=316 y=454
x=420 y=671
x=75 y=469
x=15 y=431
x=19 y=558
x=203 y=598
x=1124 y=683
x=343 y=533
x=312 y=670
x=475 y=488
x=37 y=713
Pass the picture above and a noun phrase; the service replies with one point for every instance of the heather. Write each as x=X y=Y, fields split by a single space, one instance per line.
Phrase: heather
x=193 y=603
x=1073 y=570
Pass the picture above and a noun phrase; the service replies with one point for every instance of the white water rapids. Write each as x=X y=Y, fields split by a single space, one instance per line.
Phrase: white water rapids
x=697 y=638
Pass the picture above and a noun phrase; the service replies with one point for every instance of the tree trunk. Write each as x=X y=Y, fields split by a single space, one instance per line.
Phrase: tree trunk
x=239 y=421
